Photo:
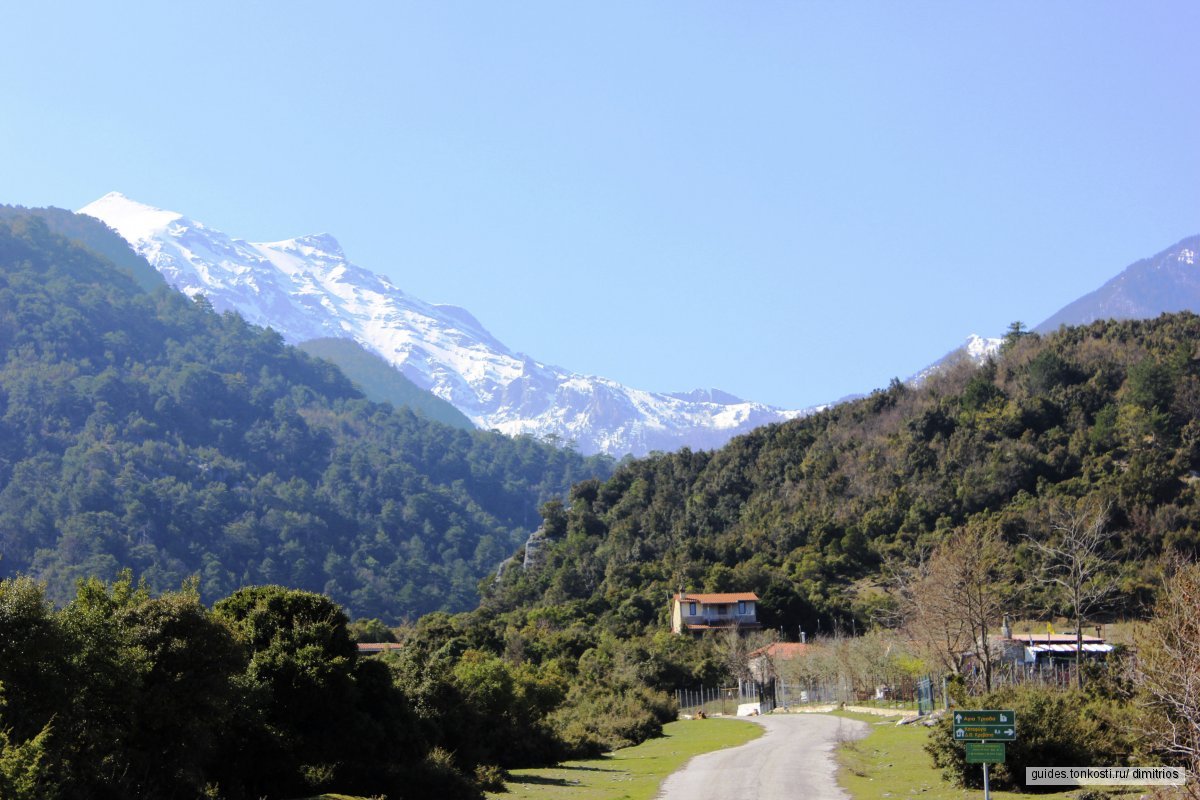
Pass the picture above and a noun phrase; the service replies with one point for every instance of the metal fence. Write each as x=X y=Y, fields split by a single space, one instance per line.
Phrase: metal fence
x=922 y=694
x=716 y=700
x=898 y=692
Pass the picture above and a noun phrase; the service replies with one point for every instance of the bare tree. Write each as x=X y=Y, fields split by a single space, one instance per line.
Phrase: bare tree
x=1077 y=563
x=927 y=616
x=1167 y=667
x=954 y=597
x=735 y=649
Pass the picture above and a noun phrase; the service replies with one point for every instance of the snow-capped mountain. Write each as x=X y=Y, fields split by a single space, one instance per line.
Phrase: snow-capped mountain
x=306 y=288
x=976 y=348
x=1166 y=282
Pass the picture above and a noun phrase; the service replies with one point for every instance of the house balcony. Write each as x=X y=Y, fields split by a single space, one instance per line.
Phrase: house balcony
x=717 y=621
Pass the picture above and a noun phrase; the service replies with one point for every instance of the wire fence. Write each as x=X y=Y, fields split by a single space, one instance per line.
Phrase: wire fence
x=1058 y=673
x=920 y=694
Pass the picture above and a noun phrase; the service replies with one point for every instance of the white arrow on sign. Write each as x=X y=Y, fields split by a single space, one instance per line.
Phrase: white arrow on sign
x=958 y=717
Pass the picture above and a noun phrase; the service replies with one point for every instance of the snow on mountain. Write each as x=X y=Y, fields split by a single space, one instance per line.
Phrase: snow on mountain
x=306 y=288
x=979 y=348
x=976 y=348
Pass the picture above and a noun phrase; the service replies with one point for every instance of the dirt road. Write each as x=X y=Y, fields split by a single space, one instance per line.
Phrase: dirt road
x=793 y=759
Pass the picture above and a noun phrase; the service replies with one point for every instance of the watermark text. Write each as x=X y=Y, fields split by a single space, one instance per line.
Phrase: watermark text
x=1105 y=776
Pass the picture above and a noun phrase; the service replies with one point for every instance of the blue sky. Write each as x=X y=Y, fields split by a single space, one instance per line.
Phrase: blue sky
x=789 y=201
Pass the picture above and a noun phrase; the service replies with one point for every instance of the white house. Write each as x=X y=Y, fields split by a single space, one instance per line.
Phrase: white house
x=696 y=613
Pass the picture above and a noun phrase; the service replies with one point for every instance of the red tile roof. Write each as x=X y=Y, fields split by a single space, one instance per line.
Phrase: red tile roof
x=782 y=650
x=726 y=597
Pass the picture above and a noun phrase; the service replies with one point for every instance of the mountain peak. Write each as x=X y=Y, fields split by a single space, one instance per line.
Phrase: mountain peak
x=979 y=348
x=1165 y=282
x=133 y=220
x=306 y=288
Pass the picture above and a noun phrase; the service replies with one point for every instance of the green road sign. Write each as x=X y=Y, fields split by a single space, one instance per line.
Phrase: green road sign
x=984 y=717
x=985 y=752
x=982 y=733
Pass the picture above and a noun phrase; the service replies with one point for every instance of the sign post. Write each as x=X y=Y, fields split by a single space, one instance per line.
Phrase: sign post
x=984 y=733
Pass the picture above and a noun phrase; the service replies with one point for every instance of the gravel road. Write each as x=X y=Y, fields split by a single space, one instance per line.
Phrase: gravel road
x=793 y=759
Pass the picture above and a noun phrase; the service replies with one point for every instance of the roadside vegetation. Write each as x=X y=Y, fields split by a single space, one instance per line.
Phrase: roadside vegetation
x=631 y=773
x=122 y=694
x=891 y=762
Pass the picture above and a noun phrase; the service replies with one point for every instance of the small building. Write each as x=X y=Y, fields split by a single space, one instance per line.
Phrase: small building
x=696 y=613
x=1034 y=649
x=372 y=648
x=766 y=662
x=1042 y=654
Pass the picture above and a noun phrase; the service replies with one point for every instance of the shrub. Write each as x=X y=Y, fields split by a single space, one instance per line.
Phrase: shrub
x=1054 y=728
x=593 y=723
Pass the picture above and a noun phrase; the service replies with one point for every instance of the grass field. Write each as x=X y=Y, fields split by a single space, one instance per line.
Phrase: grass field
x=891 y=764
x=634 y=773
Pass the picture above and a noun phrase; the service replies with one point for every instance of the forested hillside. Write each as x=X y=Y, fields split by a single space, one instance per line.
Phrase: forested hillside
x=100 y=239
x=141 y=429
x=382 y=382
x=807 y=513
x=815 y=515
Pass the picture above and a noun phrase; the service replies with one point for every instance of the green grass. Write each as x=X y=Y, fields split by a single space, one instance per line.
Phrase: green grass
x=891 y=764
x=633 y=773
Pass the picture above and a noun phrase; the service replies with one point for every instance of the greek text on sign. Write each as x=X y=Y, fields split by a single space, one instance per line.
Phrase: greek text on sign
x=985 y=717
x=995 y=733
x=985 y=752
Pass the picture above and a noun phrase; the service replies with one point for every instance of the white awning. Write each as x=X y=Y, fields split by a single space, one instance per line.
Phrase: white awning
x=1067 y=648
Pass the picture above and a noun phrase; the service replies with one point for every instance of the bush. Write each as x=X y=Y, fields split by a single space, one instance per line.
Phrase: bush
x=1054 y=728
x=593 y=723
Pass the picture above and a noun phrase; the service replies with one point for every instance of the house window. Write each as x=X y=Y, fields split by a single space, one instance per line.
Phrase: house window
x=691 y=609
x=741 y=607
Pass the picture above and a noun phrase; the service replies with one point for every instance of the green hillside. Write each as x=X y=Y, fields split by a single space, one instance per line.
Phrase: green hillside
x=93 y=235
x=812 y=514
x=383 y=383
x=805 y=513
x=144 y=430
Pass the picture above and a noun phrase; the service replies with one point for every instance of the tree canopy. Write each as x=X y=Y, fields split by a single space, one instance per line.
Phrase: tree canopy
x=141 y=429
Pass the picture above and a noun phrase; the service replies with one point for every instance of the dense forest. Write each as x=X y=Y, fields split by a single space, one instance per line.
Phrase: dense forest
x=140 y=429
x=124 y=694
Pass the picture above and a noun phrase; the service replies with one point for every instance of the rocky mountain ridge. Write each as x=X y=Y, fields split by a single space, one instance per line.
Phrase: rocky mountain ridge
x=306 y=288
